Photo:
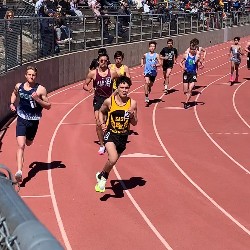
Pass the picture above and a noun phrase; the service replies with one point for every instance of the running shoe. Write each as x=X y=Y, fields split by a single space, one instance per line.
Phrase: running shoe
x=101 y=183
x=186 y=105
x=101 y=150
x=146 y=100
x=19 y=176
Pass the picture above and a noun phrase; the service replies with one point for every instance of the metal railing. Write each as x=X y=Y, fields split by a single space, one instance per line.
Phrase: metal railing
x=24 y=40
x=19 y=228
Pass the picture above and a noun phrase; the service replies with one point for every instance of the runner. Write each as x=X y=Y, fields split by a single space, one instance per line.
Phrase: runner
x=201 y=52
x=247 y=49
x=235 y=58
x=121 y=69
x=169 y=56
x=102 y=78
x=121 y=111
x=32 y=99
x=94 y=63
x=152 y=61
x=189 y=65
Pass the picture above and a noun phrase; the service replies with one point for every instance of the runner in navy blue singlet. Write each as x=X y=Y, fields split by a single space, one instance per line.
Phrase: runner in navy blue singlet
x=189 y=65
x=32 y=99
x=102 y=78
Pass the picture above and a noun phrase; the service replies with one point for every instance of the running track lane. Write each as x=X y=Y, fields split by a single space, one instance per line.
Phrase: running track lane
x=81 y=210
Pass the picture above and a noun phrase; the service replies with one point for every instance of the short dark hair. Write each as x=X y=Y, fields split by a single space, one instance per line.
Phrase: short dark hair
x=32 y=67
x=101 y=55
x=194 y=41
x=123 y=79
x=119 y=54
x=170 y=40
x=237 y=38
x=152 y=42
x=102 y=51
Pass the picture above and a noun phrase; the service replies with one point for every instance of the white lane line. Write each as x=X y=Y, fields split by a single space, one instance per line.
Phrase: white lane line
x=144 y=216
x=207 y=134
x=36 y=196
x=53 y=196
x=233 y=133
x=50 y=179
x=189 y=178
x=234 y=105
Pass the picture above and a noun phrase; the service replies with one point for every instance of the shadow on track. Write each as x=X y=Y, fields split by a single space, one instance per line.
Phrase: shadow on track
x=118 y=187
x=36 y=167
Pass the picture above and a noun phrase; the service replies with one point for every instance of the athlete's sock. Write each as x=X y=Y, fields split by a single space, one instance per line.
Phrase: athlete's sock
x=104 y=174
x=146 y=95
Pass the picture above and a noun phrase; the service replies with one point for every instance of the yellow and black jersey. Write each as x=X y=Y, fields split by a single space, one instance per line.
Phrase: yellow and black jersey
x=118 y=121
x=121 y=72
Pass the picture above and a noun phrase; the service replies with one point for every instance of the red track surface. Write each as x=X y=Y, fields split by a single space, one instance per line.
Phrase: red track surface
x=195 y=196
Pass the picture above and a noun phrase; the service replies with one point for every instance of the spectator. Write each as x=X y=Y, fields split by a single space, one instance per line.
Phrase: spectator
x=106 y=26
x=47 y=33
x=12 y=31
x=123 y=20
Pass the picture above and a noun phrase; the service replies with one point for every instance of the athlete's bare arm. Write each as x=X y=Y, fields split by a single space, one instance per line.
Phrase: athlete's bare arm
x=246 y=49
x=114 y=74
x=159 y=60
x=133 y=113
x=126 y=69
x=142 y=60
x=88 y=80
x=13 y=97
x=182 y=62
x=103 y=113
x=40 y=96
x=204 y=53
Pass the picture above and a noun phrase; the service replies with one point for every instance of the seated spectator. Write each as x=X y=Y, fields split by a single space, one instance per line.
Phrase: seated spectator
x=95 y=6
x=106 y=26
x=61 y=29
x=74 y=7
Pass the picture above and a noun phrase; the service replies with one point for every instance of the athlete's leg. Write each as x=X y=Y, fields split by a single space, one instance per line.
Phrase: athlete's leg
x=102 y=177
x=168 y=72
x=99 y=132
x=20 y=156
x=236 y=72
x=113 y=156
x=146 y=88
x=232 y=71
x=189 y=92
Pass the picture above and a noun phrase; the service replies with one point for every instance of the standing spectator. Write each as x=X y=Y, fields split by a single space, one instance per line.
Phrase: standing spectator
x=47 y=34
x=123 y=20
x=12 y=31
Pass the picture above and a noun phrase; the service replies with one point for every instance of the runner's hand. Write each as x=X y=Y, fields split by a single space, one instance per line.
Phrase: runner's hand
x=12 y=107
x=131 y=113
x=91 y=90
x=104 y=127
x=35 y=96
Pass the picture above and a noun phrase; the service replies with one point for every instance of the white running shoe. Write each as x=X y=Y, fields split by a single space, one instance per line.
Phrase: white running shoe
x=101 y=150
x=19 y=176
x=101 y=184
x=146 y=99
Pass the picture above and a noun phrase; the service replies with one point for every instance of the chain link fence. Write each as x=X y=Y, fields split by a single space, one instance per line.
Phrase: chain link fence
x=24 y=40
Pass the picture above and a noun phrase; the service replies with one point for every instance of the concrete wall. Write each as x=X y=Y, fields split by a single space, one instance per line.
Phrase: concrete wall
x=62 y=70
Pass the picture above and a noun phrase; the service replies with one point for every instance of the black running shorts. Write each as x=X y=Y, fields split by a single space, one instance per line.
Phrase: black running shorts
x=98 y=101
x=119 y=140
x=26 y=128
x=167 y=65
x=151 y=78
x=189 y=77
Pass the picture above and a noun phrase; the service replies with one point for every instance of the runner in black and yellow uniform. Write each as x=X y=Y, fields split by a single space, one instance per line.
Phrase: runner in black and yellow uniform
x=121 y=111
x=121 y=69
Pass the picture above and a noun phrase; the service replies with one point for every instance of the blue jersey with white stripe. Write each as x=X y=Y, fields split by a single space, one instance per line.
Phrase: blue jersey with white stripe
x=150 y=65
x=28 y=108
